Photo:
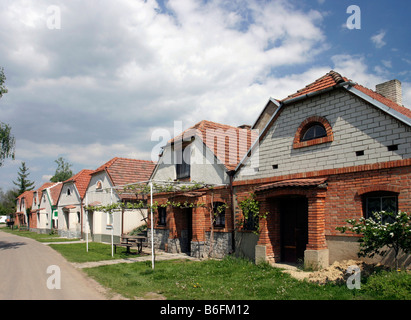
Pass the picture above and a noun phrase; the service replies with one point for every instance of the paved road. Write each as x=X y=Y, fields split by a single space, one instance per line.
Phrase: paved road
x=24 y=273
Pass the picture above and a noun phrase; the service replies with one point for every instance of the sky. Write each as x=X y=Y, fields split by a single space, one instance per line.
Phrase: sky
x=97 y=79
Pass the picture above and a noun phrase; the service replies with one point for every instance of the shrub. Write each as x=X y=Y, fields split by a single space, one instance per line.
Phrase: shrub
x=378 y=233
x=389 y=285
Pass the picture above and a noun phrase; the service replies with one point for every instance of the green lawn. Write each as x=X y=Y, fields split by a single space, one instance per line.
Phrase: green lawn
x=76 y=252
x=228 y=279
x=36 y=236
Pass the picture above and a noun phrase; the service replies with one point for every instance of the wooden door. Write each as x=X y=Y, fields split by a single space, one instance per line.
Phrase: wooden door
x=294 y=228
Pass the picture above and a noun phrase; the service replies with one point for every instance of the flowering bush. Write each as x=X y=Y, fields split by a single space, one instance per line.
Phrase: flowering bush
x=383 y=230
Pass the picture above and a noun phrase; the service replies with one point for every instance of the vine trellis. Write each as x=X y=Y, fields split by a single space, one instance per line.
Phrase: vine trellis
x=144 y=188
x=150 y=188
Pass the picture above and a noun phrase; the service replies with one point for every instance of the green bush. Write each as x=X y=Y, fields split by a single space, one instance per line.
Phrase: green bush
x=389 y=285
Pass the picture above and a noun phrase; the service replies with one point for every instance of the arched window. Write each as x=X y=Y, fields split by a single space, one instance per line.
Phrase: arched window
x=313 y=131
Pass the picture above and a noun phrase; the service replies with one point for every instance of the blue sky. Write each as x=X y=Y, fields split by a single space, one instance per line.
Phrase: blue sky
x=100 y=83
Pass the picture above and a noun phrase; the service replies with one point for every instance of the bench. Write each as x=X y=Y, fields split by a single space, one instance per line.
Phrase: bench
x=125 y=245
x=129 y=241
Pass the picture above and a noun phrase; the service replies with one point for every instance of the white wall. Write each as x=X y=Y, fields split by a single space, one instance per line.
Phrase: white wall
x=204 y=166
x=356 y=126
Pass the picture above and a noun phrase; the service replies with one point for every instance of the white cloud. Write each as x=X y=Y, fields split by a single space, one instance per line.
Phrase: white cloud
x=378 y=39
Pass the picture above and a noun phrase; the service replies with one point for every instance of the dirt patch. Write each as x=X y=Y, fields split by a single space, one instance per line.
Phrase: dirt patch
x=337 y=272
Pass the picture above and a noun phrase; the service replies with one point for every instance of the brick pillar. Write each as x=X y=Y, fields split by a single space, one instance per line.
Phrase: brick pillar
x=199 y=221
x=171 y=223
x=316 y=223
x=316 y=253
x=266 y=249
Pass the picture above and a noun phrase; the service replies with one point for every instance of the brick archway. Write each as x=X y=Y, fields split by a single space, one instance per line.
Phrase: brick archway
x=269 y=243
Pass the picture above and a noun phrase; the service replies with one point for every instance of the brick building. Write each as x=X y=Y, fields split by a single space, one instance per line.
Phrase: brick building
x=333 y=150
x=199 y=222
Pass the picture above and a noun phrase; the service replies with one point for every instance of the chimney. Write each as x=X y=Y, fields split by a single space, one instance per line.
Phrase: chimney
x=391 y=90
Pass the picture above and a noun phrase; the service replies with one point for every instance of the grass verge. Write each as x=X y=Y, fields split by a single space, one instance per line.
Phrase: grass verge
x=76 y=252
x=228 y=279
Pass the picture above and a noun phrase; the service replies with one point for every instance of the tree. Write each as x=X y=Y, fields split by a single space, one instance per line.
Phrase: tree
x=7 y=201
x=7 y=140
x=22 y=182
x=378 y=234
x=3 y=88
x=63 y=171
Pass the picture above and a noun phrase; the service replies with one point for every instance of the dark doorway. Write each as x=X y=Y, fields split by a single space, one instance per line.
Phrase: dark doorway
x=294 y=228
x=188 y=216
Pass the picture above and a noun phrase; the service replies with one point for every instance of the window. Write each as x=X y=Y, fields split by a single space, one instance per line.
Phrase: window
x=162 y=216
x=68 y=191
x=380 y=201
x=314 y=131
x=183 y=163
x=219 y=214
x=78 y=217
x=99 y=185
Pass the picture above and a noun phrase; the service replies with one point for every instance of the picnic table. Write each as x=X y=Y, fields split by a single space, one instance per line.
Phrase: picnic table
x=128 y=241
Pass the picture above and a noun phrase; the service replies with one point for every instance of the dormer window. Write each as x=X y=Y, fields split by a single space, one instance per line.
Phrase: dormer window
x=314 y=130
x=183 y=163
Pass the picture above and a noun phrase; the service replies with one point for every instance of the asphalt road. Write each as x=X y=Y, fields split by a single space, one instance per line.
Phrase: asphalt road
x=30 y=270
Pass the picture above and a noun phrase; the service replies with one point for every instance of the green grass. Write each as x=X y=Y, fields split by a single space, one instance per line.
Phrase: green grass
x=36 y=236
x=76 y=252
x=228 y=279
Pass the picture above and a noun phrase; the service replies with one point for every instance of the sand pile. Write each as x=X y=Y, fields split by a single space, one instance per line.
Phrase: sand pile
x=337 y=272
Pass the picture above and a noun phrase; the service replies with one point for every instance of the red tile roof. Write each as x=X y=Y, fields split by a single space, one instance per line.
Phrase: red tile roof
x=28 y=196
x=81 y=180
x=55 y=192
x=229 y=144
x=333 y=78
x=293 y=183
x=123 y=171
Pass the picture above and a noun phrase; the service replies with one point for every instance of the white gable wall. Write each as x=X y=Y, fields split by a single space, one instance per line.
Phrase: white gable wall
x=68 y=220
x=356 y=126
x=204 y=166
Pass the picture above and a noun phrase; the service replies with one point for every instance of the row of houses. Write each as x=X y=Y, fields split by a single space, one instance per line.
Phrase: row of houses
x=61 y=206
x=331 y=151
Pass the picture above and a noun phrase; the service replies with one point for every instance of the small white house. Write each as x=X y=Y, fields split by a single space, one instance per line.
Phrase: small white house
x=102 y=191
x=47 y=216
x=71 y=204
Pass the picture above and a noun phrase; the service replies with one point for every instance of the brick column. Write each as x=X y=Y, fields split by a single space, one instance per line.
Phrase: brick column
x=316 y=254
x=199 y=221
